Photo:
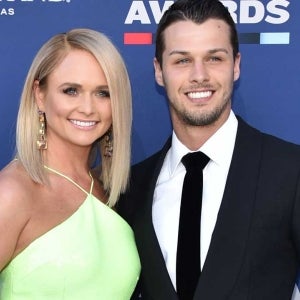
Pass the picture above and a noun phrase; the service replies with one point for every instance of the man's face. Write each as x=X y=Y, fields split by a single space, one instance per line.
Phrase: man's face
x=198 y=70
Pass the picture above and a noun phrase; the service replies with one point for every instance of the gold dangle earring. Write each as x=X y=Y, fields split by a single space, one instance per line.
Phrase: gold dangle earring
x=108 y=144
x=42 y=141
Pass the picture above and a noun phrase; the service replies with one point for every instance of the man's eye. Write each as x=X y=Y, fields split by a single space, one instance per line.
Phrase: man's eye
x=70 y=91
x=182 y=61
x=215 y=59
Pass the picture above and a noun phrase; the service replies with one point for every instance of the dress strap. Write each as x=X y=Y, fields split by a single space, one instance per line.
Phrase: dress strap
x=72 y=181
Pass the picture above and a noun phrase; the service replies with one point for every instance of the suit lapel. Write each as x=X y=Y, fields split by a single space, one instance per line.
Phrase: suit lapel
x=157 y=278
x=229 y=239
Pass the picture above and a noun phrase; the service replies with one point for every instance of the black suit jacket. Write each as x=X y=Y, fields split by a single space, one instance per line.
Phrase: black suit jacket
x=255 y=246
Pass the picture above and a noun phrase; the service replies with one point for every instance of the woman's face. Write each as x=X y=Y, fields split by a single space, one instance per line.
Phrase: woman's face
x=76 y=101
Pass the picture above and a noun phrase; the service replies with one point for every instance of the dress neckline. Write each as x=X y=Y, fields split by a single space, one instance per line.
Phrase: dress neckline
x=72 y=181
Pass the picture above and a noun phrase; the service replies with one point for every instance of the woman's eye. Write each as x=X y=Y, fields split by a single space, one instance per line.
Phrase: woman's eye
x=70 y=91
x=103 y=93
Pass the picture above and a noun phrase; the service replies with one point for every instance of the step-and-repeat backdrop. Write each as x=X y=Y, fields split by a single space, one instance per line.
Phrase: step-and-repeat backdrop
x=267 y=94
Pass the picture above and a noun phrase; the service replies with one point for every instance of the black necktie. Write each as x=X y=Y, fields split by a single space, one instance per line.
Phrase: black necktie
x=188 y=247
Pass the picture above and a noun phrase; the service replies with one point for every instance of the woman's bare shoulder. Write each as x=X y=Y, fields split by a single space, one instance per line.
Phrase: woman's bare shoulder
x=14 y=181
x=15 y=208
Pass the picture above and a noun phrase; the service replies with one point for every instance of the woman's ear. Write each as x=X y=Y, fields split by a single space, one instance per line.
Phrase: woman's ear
x=39 y=95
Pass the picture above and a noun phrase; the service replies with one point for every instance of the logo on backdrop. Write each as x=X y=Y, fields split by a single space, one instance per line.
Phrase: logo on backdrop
x=11 y=11
x=274 y=12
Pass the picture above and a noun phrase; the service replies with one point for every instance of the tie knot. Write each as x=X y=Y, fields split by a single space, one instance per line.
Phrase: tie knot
x=195 y=160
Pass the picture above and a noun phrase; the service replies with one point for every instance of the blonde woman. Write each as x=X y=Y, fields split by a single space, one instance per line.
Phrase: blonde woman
x=59 y=235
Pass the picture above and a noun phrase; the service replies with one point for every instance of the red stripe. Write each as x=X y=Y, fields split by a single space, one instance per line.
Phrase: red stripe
x=137 y=38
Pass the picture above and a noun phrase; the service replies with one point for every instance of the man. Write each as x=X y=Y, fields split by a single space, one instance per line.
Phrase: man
x=250 y=219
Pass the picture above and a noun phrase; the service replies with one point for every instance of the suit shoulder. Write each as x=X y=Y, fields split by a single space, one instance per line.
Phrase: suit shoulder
x=152 y=161
x=141 y=175
x=147 y=162
x=269 y=142
x=278 y=145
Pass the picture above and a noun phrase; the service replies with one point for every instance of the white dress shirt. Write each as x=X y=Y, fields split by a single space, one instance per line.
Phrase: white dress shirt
x=167 y=194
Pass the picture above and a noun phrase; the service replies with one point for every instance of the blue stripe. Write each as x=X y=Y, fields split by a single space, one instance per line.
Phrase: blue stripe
x=274 y=38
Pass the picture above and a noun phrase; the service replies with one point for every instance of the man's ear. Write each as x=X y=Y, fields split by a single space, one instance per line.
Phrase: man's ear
x=237 y=64
x=158 y=72
x=39 y=95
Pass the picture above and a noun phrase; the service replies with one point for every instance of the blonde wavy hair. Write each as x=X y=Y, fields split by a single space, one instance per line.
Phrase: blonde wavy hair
x=115 y=170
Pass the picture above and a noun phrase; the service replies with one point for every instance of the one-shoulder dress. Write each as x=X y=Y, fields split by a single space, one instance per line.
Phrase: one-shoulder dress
x=90 y=256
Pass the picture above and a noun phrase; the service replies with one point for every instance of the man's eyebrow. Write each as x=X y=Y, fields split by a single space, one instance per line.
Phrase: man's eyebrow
x=181 y=52
x=211 y=51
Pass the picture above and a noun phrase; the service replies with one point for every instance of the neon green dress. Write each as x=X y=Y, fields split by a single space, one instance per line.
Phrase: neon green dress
x=90 y=256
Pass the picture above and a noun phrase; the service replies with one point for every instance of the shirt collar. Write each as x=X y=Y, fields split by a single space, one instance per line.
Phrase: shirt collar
x=219 y=147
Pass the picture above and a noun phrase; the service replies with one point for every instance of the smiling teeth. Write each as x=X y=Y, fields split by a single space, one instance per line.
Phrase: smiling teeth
x=83 y=124
x=197 y=95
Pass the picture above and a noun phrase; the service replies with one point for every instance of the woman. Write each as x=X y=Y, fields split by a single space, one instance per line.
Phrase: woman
x=59 y=236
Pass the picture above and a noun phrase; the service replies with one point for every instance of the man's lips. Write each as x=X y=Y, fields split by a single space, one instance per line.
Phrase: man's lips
x=199 y=94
